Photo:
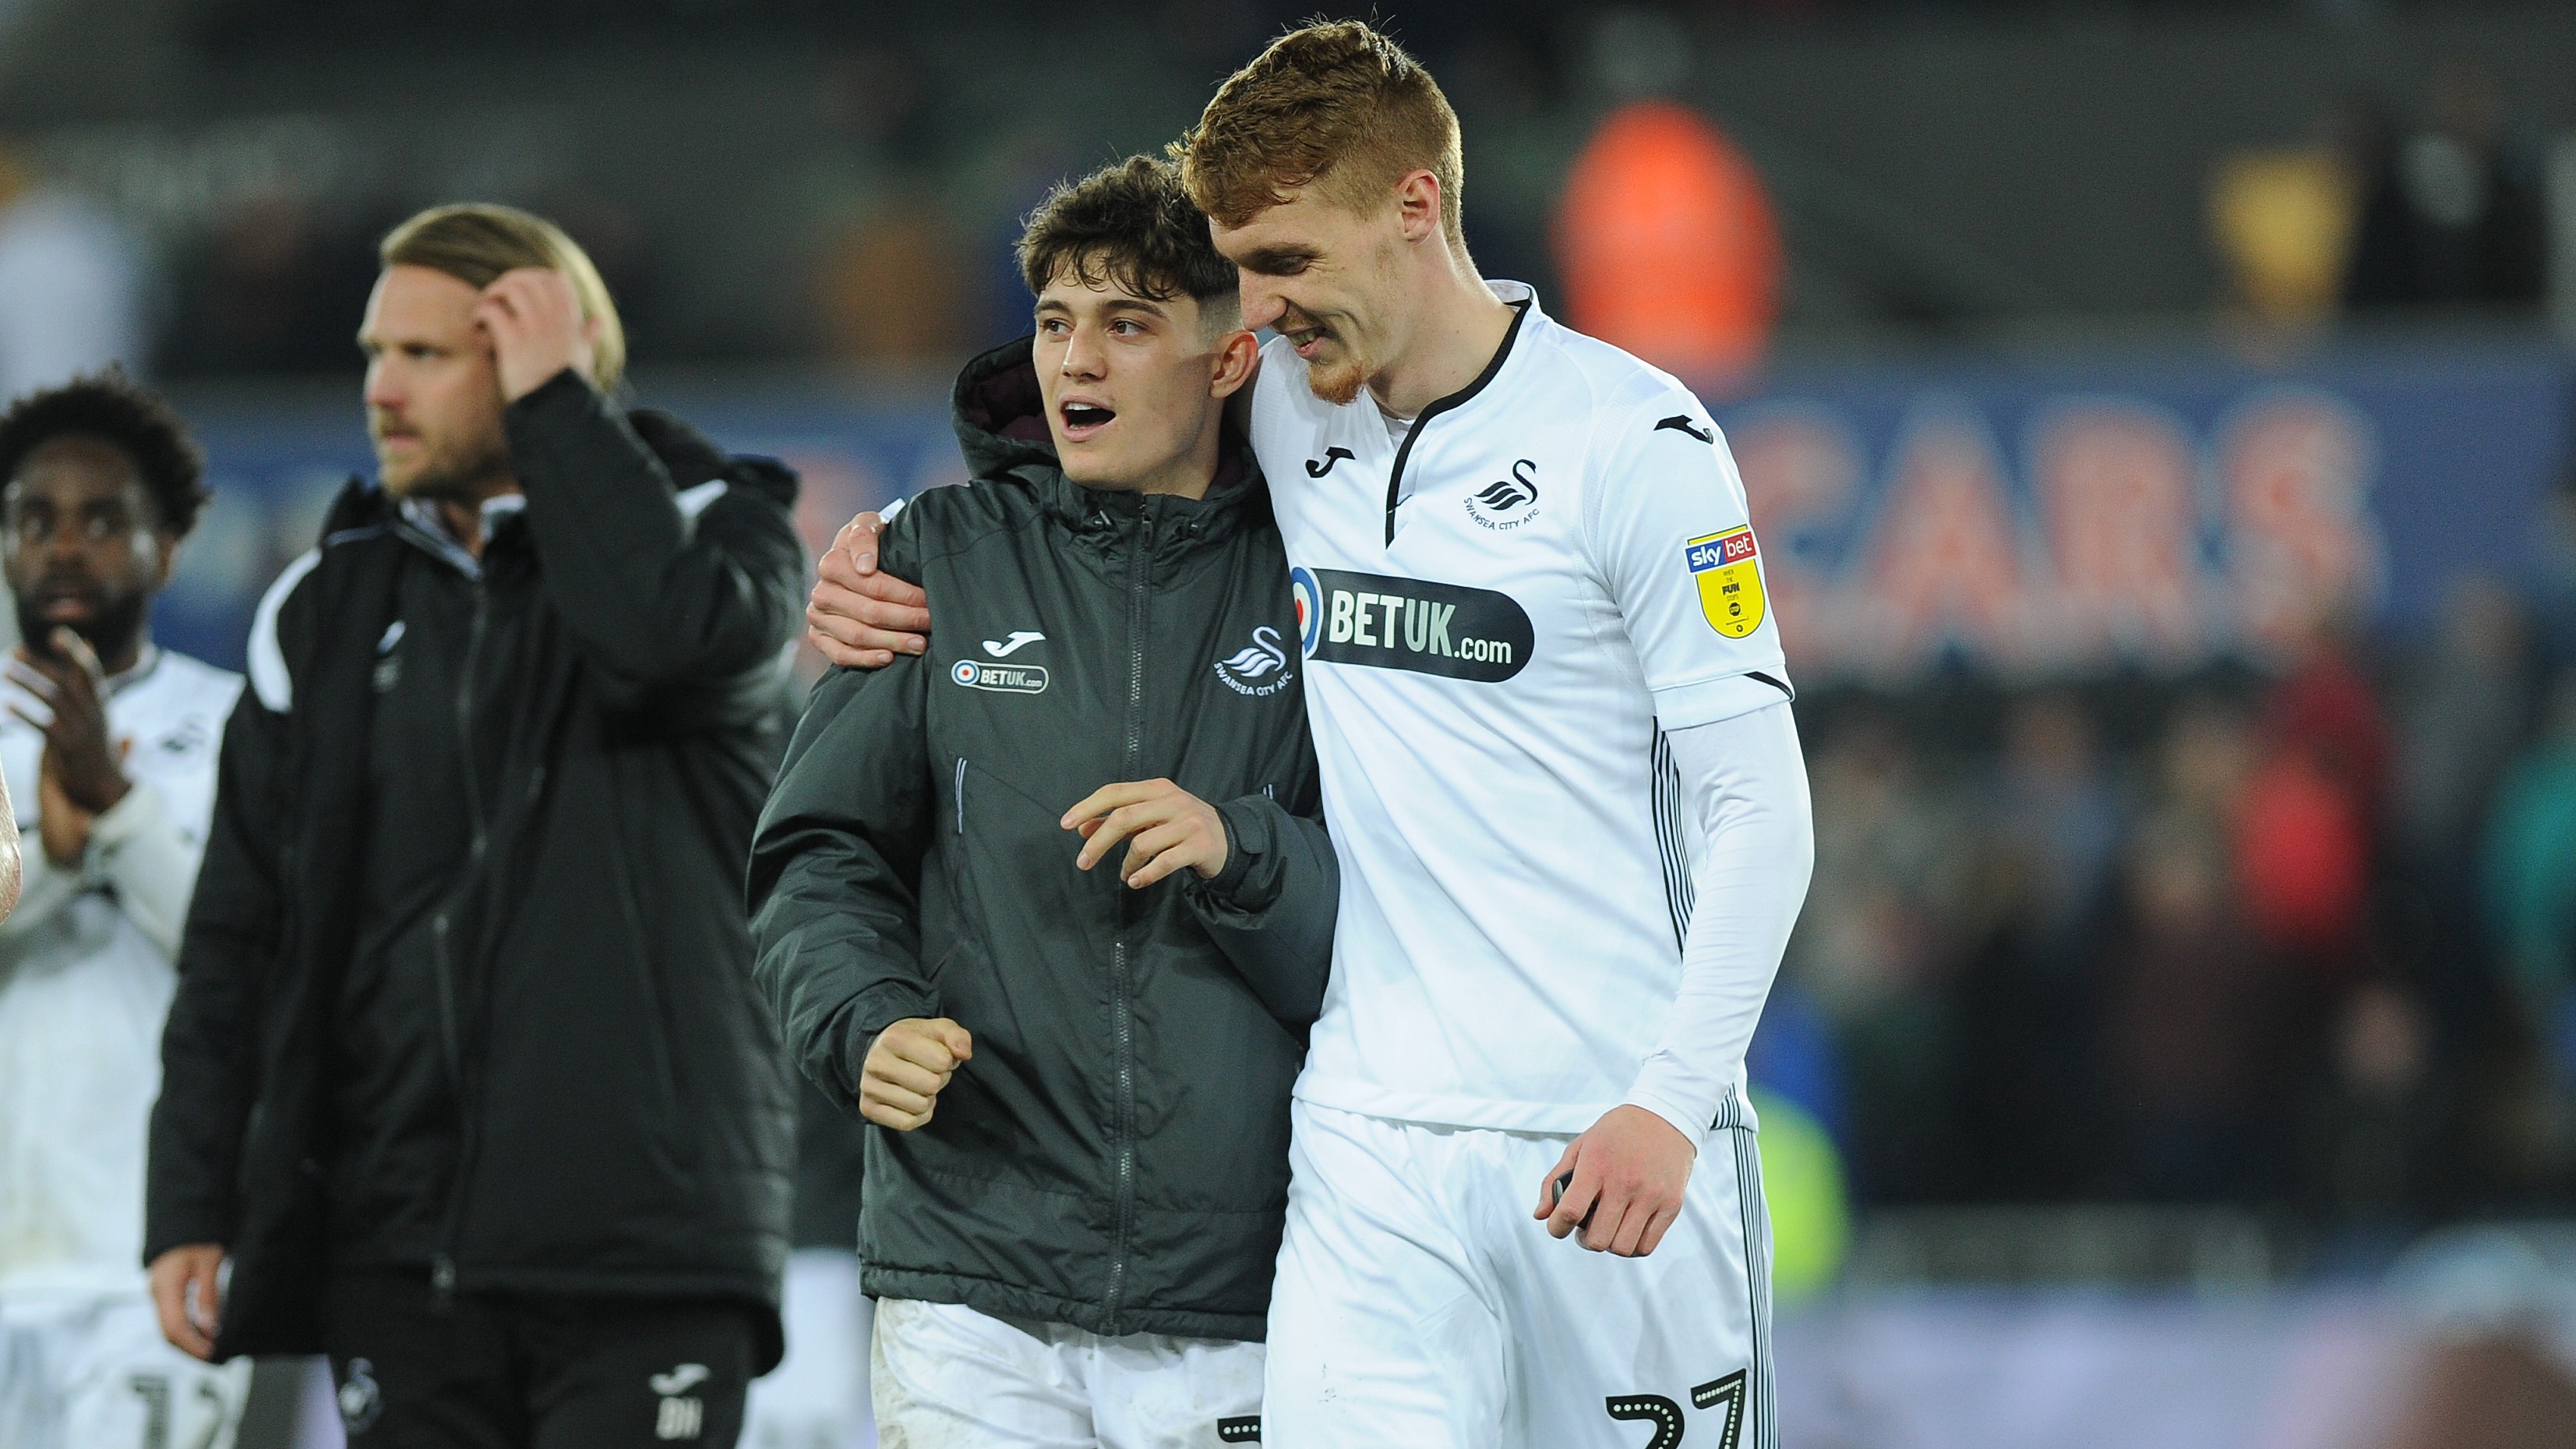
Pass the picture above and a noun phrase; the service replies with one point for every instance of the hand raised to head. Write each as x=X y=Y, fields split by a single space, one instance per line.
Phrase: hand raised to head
x=533 y=318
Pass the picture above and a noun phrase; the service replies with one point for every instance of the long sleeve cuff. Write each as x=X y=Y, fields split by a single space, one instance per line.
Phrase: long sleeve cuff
x=138 y=847
x=1673 y=1091
x=138 y=812
x=1247 y=846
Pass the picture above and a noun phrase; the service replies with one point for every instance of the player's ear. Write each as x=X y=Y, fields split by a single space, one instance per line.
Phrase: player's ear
x=1231 y=362
x=1417 y=205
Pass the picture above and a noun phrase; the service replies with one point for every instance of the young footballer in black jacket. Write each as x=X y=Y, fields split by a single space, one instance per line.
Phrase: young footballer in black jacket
x=466 y=1073
x=1051 y=905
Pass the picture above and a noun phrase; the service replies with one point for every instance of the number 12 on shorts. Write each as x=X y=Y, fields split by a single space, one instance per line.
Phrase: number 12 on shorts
x=1666 y=1415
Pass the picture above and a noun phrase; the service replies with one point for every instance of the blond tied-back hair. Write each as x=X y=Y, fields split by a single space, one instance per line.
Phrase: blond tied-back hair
x=476 y=241
x=1338 y=104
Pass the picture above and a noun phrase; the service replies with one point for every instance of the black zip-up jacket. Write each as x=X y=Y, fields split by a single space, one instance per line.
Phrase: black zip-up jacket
x=612 y=1114
x=1115 y=1155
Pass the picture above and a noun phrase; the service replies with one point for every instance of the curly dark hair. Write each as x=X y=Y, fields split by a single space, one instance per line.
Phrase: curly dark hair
x=111 y=407
x=1130 y=225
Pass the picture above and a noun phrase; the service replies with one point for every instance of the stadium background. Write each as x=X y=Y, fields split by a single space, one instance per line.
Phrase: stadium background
x=2156 y=416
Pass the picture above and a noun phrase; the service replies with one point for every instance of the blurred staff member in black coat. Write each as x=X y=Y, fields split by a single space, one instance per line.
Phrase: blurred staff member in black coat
x=466 y=1074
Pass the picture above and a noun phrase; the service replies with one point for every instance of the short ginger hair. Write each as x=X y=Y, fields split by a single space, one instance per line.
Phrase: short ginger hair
x=1337 y=103
x=476 y=241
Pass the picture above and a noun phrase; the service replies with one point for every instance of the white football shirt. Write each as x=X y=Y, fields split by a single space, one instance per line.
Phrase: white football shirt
x=1502 y=614
x=86 y=976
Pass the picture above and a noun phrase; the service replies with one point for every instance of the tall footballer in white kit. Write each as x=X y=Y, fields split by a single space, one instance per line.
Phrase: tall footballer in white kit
x=1560 y=766
x=1562 y=776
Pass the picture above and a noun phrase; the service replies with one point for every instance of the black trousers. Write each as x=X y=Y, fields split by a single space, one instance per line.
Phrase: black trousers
x=489 y=1371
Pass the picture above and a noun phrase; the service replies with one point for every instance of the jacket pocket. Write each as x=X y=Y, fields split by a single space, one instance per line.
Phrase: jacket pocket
x=1020 y=969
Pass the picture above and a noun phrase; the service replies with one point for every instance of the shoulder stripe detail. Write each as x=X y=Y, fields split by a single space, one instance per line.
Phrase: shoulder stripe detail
x=269 y=677
x=694 y=501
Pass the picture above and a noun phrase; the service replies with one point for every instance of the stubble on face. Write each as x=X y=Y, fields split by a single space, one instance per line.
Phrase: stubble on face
x=439 y=468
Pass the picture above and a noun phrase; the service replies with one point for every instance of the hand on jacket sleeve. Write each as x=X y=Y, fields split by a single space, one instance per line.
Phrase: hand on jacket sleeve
x=861 y=617
x=1164 y=827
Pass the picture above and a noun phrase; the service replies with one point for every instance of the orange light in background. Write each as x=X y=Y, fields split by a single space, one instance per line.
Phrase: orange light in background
x=1668 y=246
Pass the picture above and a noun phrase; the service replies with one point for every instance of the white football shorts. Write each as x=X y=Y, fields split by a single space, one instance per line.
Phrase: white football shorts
x=945 y=1374
x=91 y=1371
x=1420 y=1304
x=817 y=1397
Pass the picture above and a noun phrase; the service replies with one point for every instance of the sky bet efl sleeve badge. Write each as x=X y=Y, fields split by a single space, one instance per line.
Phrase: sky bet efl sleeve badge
x=1730 y=582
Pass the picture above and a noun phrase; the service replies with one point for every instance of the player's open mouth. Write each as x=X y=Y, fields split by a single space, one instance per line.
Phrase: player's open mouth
x=1083 y=420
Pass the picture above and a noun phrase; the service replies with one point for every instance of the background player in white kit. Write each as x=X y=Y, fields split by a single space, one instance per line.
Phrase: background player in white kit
x=109 y=742
x=1554 y=728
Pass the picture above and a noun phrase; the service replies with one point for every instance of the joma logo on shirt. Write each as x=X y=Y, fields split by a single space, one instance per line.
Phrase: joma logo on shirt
x=1411 y=624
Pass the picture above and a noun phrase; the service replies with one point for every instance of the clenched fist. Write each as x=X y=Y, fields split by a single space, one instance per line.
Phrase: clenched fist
x=906 y=1067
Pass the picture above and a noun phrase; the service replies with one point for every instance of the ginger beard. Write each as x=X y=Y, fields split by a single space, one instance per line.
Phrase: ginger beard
x=1335 y=371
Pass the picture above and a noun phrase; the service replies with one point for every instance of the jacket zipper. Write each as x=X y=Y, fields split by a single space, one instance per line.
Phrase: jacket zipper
x=1120 y=1005
x=442 y=1269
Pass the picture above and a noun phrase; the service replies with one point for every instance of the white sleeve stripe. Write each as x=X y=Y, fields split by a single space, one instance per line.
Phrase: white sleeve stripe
x=269 y=678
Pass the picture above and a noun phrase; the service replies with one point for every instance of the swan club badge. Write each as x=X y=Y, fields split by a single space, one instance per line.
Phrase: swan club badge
x=1730 y=580
x=1260 y=668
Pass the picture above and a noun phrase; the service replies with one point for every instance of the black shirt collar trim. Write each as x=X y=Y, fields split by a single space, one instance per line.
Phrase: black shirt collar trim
x=1458 y=399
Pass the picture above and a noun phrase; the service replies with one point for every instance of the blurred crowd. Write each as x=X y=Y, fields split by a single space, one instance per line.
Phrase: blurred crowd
x=2301 y=939
x=239 y=249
